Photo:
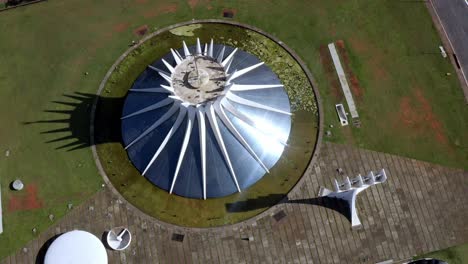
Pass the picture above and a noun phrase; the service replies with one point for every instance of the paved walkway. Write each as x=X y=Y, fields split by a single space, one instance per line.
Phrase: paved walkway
x=397 y=221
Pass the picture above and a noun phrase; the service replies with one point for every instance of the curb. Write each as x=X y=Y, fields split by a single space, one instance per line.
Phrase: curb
x=446 y=42
x=269 y=211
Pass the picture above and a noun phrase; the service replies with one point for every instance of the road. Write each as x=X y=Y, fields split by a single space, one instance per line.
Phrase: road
x=453 y=14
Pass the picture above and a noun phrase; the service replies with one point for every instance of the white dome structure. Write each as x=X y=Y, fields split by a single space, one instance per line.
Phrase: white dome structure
x=76 y=247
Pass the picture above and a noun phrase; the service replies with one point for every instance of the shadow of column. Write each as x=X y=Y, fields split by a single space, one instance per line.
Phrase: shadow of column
x=74 y=130
x=338 y=205
x=40 y=257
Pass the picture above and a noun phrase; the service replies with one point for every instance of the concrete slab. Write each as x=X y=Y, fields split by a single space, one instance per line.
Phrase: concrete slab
x=343 y=81
x=1 y=213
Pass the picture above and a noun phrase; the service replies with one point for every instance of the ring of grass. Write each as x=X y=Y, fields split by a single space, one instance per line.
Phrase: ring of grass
x=117 y=169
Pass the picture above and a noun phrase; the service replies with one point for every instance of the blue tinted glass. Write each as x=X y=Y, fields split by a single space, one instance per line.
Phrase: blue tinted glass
x=261 y=139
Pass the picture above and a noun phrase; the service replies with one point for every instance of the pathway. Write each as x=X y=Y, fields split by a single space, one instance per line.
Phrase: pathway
x=421 y=208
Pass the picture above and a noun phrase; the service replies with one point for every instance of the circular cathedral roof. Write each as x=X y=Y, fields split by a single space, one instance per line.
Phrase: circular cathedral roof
x=206 y=121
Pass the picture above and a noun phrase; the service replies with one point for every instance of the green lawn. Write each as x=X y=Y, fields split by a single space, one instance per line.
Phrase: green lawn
x=47 y=47
x=453 y=255
x=408 y=106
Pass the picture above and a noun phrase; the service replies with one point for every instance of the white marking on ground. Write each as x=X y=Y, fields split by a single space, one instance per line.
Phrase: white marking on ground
x=343 y=81
x=1 y=213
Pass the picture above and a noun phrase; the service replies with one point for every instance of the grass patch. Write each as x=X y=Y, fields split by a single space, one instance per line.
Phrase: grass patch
x=452 y=255
x=47 y=47
x=408 y=105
